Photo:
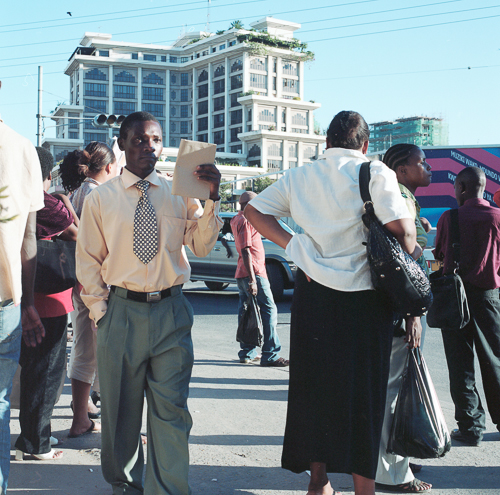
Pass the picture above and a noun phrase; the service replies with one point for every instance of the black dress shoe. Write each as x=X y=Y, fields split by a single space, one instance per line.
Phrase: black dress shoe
x=467 y=439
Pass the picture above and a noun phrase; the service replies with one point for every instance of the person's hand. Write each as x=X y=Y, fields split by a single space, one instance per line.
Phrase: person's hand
x=252 y=288
x=413 y=331
x=426 y=224
x=209 y=173
x=33 y=331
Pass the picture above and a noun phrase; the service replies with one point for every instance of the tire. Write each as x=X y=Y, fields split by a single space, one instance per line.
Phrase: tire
x=216 y=285
x=275 y=276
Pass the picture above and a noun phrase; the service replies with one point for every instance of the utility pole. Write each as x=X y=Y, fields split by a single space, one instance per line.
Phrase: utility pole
x=39 y=114
x=208 y=16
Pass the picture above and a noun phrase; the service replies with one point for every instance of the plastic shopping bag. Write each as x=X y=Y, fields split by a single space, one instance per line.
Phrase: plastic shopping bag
x=250 y=327
x=418 y=426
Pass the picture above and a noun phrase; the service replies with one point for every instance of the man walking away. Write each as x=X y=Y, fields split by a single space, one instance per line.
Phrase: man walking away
x=479 y=225
x=252 y=279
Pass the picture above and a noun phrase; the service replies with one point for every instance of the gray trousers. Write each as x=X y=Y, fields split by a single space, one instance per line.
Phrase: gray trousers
x=146 y=347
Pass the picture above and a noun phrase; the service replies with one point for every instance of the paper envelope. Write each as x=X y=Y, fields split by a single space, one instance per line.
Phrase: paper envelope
x=191 y=154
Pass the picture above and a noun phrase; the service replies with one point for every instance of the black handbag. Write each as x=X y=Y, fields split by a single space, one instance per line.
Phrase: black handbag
x=55 y=266
x=250 y=329
x=450 y=308
x=393 y=271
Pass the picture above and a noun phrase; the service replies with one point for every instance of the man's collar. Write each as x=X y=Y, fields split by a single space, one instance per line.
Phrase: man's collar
x=343 y=152
x=129 y=179
x=476 y=201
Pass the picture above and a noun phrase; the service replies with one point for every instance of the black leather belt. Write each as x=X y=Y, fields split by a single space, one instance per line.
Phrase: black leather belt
x=142 y=296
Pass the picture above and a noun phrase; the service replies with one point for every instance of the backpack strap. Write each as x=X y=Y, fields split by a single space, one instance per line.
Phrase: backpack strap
x=364 y=182
x=455 y=235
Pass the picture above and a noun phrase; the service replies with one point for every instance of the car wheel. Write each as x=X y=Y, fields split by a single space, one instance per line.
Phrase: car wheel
x=216 y=285
x=275 y=276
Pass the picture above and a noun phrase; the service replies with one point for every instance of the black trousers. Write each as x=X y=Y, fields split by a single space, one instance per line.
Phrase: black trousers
x=41 y=372
x=483 y=333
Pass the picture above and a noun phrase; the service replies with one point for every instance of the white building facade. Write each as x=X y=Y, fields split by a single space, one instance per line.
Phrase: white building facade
x=242 y=90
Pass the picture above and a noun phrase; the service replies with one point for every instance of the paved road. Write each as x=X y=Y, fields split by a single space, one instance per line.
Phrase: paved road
x=239 y=413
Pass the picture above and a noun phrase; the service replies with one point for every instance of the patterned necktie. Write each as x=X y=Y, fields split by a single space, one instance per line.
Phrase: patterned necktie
x=145 y=230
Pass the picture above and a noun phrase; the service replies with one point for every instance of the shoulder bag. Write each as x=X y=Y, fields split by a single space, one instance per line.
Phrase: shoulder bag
x=393 y=271
x=55 y=266
x=450 y=308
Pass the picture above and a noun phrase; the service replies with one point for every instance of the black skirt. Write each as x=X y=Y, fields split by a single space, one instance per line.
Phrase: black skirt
x=340 y=348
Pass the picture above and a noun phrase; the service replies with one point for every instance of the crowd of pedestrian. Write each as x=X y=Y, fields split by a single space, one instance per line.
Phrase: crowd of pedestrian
x=132 y=322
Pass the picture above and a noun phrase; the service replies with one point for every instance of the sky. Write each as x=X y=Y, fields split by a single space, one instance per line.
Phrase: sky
x=386 y=59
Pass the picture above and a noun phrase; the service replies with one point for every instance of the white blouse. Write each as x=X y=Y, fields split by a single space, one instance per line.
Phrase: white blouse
x=324 y=199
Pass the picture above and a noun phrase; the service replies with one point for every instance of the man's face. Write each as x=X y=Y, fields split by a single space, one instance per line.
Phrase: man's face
x=243 y=205
x=142 y=147
x=458 y=192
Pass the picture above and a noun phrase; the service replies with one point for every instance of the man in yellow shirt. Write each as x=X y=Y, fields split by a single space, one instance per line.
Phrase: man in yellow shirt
x=131 y=237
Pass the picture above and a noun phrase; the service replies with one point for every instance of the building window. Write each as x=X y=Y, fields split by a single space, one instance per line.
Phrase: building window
x=203 y=91
x=124 y=107
x=254 y=151
x=202 y=107
x=154 y=108
x=237 y=65
x=237 y=81
x=234 y=100
x=88 y=124
x=299 y=119
x=184 y=111
x=292 y=150
x=163 y=58
x=73 y=135
x=184 y=95
x=258 y=63
x=184 y=60
x=73 y=124
x=173 y=60
x=152 y=94
x=258 y=81
x=153 y=79
x=274 y=149
x=290 y=86
x=237 y=149
x=203 y=76
x=222 y=47
x=219 y=71
x=219 y=103
x=173 y=111
x=219 y=86
x=184 y=79
x=234 y=133
x=173 y=78
x=237 y=117
x=232 y=43
x=218 y=137
x=150 y=58
x=267 y=115
x=124 y=76
x=289 y=68
x=173 y=95
x=184 y=127
x=299 y=131
x=94 y=106
x=135 y=56
x=124 y=91
x=88 y=137
x=94 y=89
x=218 y=121
x=309 y=152
x=274 y=164
x=172 y=127
x=214 y=49
x=203 y=124
x=203 y=138
x=103 y=53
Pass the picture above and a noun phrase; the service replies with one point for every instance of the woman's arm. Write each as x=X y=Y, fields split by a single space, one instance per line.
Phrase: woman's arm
x=405 y=232
x=69 y=206
x=268 y=226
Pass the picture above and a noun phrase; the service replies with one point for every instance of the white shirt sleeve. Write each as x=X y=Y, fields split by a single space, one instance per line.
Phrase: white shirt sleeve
x=386 y=196
x=275 y=199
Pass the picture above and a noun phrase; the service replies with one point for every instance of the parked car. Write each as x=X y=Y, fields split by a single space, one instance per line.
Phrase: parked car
x=218 y=268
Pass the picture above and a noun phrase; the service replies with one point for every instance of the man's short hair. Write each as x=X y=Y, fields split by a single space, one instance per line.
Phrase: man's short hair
x=132 y=119
x=348 y=130
x=473 y=177
x=46 y=161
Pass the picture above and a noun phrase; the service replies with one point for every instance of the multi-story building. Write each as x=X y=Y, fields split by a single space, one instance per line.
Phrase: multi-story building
x=422 y=131
x=242 y=90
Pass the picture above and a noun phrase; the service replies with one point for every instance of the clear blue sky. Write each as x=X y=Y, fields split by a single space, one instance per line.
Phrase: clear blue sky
x=384 y=58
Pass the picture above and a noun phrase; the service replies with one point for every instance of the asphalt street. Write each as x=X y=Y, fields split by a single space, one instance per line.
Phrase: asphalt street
x=239 y=415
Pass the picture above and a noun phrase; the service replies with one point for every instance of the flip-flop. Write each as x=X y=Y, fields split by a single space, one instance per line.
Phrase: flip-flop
x=89 y=430
x=410 y=487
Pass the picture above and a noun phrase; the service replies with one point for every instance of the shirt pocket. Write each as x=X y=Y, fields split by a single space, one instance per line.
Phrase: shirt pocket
x=172 y=232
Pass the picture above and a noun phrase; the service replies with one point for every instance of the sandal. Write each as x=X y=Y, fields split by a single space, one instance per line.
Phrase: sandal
x=90 y=429
x=413 y=486
x=52 y=455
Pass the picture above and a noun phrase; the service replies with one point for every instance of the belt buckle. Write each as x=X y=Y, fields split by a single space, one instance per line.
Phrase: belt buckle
x=153 y=296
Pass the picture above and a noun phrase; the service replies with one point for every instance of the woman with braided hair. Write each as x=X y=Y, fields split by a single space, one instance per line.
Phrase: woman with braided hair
x=81 y=172
x=396 y=473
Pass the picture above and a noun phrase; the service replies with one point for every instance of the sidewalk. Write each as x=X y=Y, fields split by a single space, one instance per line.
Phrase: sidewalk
x=239 y=415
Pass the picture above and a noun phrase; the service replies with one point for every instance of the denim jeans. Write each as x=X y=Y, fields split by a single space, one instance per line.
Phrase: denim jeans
x=10 y=347
x=271 y=347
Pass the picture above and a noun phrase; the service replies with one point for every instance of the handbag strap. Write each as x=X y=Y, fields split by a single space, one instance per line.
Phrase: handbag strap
x=455 y=235
x=364 y=182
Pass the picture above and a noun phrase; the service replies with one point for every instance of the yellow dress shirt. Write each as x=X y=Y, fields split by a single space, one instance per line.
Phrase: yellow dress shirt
x=104 y=250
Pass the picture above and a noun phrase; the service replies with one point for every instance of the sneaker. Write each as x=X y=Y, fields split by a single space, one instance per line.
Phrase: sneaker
x=467 y=439
x=279 y=363
x=247 y=360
